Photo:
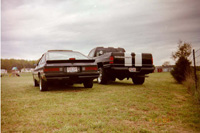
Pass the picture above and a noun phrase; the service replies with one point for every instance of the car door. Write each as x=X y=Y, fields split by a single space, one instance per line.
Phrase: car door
x=39 y=67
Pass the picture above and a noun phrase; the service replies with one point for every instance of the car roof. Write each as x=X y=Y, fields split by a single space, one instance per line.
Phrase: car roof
x=60 y=50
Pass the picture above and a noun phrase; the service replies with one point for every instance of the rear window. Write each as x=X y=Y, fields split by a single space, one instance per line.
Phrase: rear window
x=64 y=55
x=106 y=50
x=114 y=50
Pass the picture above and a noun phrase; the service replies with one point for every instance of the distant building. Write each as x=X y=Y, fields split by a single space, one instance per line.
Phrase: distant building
x=163 y=68
x=167 y=68
x=158 y=69
x=26 y=70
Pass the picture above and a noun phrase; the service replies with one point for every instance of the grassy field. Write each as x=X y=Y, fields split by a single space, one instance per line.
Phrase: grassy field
x=159 y=105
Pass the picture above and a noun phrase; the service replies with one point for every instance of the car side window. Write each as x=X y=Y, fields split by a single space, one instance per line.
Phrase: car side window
x=39 y=62
x=99 y=53
x=42 y=60
x=91 y=54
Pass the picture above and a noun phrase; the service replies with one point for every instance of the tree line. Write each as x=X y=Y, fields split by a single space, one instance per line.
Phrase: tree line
x=8 y=64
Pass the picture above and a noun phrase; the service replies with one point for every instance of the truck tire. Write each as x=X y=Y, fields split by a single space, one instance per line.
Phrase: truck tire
x=43 y=85
x=138 y=80
x=35 y=83
x=88 y=84
x=102 y=79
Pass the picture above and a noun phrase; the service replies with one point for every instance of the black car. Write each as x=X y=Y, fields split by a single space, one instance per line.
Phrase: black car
x=64 y=66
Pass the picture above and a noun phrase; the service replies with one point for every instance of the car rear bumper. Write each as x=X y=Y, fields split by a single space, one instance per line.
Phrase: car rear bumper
x=69 y=77
x=72 y=77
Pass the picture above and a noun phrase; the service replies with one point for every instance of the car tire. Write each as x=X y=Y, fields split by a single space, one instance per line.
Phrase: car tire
x=88 y=84
x=102 y=79
x=113 y=79
x=138 y=80
x=70 y=84
x=35 y=83
x=120 y=78
x=43 y=85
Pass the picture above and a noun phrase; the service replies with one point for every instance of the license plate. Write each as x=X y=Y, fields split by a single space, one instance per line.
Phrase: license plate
x=72 y=69
x=132 y=69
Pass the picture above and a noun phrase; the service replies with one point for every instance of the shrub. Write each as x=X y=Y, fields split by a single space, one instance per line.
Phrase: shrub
x=180 y=70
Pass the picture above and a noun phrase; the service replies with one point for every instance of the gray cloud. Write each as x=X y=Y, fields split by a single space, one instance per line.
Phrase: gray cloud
x=30 y=28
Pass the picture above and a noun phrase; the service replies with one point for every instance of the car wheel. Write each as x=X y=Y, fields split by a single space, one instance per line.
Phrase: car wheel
x=35 y=83
x=113 y=79
x=88 y=84
x=102 y=79
x=43 y=85
x=121 y=78
x=70 y=84
x=138 y=80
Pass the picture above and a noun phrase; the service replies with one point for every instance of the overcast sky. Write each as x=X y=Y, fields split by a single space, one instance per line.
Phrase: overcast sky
x=31 y=27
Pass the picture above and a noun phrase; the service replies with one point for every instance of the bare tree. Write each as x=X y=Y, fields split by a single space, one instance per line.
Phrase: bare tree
x=166 y=63
x=184 y=50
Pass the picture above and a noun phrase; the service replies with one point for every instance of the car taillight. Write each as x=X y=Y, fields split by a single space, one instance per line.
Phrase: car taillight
x=111 y=60
x=152 y=60
x=89 y=68
x=72 y=59
x=52 y=69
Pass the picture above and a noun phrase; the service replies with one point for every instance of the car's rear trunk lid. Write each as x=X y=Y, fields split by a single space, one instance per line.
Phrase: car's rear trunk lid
x=70 y=61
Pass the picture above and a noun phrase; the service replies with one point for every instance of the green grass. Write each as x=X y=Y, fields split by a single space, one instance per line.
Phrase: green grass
x=159 y=105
